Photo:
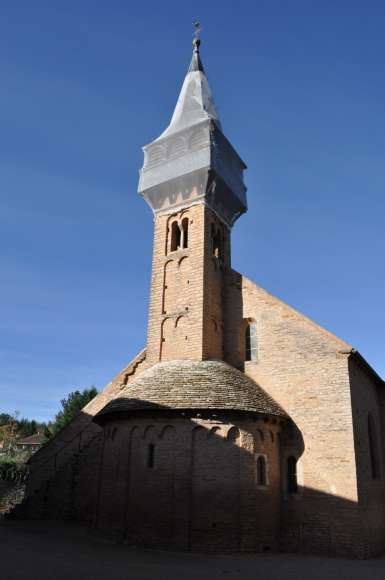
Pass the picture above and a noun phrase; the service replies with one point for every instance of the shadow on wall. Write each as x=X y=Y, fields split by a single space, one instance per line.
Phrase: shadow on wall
x=195 y=480
x=186 y=479
x=192 y=480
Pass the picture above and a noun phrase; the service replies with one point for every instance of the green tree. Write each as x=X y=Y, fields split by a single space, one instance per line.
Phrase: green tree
x=8 y=431
x=28 y=427
x=5 y=418
x=71 y=406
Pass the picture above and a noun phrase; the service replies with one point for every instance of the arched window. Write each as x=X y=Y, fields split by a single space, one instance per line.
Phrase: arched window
x=185 y=232
x=251 y=342
x=175 y=236
x=150 y=455
x=373 y=451
x=292 y=485
x=261 y=471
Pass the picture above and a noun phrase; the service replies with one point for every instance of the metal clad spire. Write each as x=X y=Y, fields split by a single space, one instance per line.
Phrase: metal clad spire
x=192 y=161
x=195 y=102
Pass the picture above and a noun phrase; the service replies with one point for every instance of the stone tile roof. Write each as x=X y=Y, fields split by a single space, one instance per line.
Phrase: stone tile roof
x=187 y=384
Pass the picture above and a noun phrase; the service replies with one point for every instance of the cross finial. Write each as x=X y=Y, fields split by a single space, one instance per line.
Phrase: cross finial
x=196 y=36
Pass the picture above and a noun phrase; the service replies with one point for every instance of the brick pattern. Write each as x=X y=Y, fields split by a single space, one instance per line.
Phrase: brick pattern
x=366 y=398
x=71 y=492
x=306 y=371
x=185 y=313
x=70 y=440
x=200 y=492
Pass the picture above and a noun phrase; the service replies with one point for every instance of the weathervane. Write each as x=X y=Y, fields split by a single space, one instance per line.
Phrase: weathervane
x=196 y=36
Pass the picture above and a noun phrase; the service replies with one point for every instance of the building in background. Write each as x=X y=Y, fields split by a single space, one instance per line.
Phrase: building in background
x=31 y=444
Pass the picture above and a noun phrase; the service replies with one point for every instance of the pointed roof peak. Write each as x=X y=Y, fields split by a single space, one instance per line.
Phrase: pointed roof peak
x=196 y=63
x=195 y=102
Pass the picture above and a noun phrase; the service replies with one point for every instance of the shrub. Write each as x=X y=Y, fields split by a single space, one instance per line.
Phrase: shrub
x=12 y=470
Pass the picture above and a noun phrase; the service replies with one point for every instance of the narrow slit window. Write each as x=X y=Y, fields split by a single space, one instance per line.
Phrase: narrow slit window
x=217 y=243
x=251 y=353
x=261 y=471
x=151 y=456
x=373 y=452
x=185 y=232
x=292 y=484
x=175 y=237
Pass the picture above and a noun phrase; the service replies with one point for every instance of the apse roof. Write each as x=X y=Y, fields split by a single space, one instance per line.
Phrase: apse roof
x=187 y=384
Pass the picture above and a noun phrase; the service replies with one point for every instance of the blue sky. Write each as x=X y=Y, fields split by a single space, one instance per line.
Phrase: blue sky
x=300 y=87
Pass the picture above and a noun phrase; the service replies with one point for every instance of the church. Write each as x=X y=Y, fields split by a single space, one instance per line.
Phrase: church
x=242 y=426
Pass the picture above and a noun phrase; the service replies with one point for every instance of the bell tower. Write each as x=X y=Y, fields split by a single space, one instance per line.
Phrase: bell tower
x=192 y=178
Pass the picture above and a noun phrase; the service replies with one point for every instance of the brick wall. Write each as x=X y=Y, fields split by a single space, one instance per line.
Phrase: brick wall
x=366 y=395
x=185 y=313
x=71 y=492
x=305 y=369
x=200 y=492
x=80 y=431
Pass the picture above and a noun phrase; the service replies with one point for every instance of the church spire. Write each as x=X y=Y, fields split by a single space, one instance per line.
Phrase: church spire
x=195 y=102
x=192 y=161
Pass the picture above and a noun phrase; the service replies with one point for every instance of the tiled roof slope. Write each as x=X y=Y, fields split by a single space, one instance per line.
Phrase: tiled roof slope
x=187 y=384
x=35 y=439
